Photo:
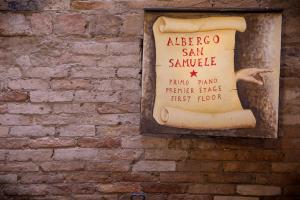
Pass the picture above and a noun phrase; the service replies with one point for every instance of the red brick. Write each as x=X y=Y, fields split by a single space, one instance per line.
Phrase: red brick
x=246 y=167
x=277 y=179
x=13 y=96
x=28 y=108
x=76 y=130
x=41 y=24
x=135 y=177
x=35 y=131
x=41 y=178
x=14 y=143
x=291 y=143
x=143 y=142
x=198 y=166
x=163 y=188
x=154 y=166
x=70 y=24
x=182 y=177
x=212 y=189
x=234 y=198
x=117 y=130
x=119 y=187
x=75 y=154
x=3 y=108
x=292 y=190
x=260 y=155
x=29 y=155
x=3 y=132
x=53 y=166
x=74 y=84
x=188 y=197
x=292 y=167
x=102 y=142
x=230 y=178
x=212 y=155
x=105 y=108
x=87 y=177
x=258 y=190
x=19 y=167
x=112 y=166
x=78 y=188
x=8 y=178
x=95 y=197
x=32 y=189
x=89 y=5
x=48 y=142
x=291 y=131
x=165 y=154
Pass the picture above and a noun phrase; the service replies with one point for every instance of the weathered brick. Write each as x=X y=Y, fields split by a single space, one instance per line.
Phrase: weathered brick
x=277 y=179
x=102 y=142
x=291 y=143
x=29 y=84
x=165 y=154
x=88 y=177
x=92 y=72
x=126 y=72
x=212 y=189
x=292 y=167
x=74 y=84
x=14 y=119
x=29 y=155
x=164 y=188
x=77 y=130
x=75 y=154
x=41 y=24
x=13 y=96
x=27 y=108
x=4 y=131
x=90 y=5
x=188 y=197
x=53 y=166
x=198 y=166
x=74 y=108
x=105 y=108
x=35 y=131
x=292 y=190
x=182 y=177
x=133 y=25
x=48 y=142
x=120 y=61
x=246 y=167
x=119 y=154
x=14 y=24
x=13 y=143
x=58 y=71
x=19 y=167
x=123 y=48
x=51 y=96
x=8 y=178
x=111 y=166
x=143 y=142
x=154 y=166
x=234 y=198
x=119 y=187
x=89 y=48
x=79 y=188
x=108 y=85
x=257 y=190
x=117 y=130
x=131 y=96
x=90 y=96
x=32 y=189
x=96 y=196
x=42 y=178
x=134 y=177
x=70 y=24
x=212 y=155
x=105 y=25
x=230 y=178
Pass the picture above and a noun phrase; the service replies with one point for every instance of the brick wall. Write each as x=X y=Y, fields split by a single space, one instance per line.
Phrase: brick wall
x=69 y=111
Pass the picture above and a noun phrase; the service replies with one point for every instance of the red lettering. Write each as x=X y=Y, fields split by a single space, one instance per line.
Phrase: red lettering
x=171 y=62
x=216 y=39
x=206 y=39
x=170 y=43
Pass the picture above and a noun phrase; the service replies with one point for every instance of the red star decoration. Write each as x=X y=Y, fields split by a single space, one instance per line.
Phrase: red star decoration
x=193 y=73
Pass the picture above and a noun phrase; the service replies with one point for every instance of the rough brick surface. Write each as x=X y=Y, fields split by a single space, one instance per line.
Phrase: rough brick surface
x=70 y=74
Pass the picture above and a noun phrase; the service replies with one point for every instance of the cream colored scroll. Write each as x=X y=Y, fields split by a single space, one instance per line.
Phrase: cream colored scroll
x=195 y=77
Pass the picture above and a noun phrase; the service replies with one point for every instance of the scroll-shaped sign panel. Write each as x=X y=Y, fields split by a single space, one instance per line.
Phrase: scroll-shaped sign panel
x=200 y=86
